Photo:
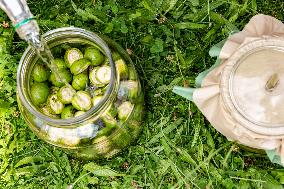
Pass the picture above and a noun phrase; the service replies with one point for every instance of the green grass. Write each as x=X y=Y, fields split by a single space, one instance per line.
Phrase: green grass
x=178 y=148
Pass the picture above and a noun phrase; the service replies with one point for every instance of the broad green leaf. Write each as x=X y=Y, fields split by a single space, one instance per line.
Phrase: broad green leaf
x=31 y=170
x=108 y=28
x=136 y=15
x=29 y=159
x=158 y=46
x=148 y=39
x=28 y=170
x=4 y=104
x=114 y=9
x=123 y=27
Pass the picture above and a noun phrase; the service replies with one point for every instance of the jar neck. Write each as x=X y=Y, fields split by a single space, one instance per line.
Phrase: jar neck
x=54 y=38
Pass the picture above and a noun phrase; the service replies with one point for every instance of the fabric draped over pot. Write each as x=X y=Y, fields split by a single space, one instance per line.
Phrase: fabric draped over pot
x=208 y=92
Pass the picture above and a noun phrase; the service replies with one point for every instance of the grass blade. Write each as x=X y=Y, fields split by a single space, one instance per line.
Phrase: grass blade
x=165 y=131
x=171 y=4
x=28 y=160
x=190 y=25
x=101 y=171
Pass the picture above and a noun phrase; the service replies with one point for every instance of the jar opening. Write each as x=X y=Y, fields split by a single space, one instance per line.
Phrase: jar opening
x=54 y=38
x=252 y=86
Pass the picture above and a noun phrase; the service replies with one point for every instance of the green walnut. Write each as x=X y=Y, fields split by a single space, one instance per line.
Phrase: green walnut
x=94 y=55
x=80 y=66
x=121 y=68
x=40 y=73
x=112 y=110
x=71 y=55
x=93 y=78
x=124 y=110
x=63 y=76
x=39 y=93
x=67 y=112
x=48 y=112
x=65 y=94
x=54 y=90
x=128 y=90
x=109 y=121
x=132 y=73
x=55 y=104
x=82 y=101
x=59 y=63
x=80 y=81
x=103 y=74
x=96 y=100
x=79 y=113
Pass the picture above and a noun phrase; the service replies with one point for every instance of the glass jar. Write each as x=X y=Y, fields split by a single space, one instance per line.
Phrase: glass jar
x=98 y=133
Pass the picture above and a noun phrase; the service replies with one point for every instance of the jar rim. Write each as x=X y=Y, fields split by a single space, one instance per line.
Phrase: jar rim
x=51 y=35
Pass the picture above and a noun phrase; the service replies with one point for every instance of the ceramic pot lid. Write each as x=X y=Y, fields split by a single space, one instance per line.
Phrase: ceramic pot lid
x=252 y=86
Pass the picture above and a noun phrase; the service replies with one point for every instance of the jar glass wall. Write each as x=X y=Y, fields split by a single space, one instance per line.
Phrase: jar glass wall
x=111 y=124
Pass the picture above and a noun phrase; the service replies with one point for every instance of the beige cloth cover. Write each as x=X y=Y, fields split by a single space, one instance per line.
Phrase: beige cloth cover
x=208 y=97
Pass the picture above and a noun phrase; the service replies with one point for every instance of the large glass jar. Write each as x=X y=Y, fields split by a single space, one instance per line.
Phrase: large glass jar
x=97 y=133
